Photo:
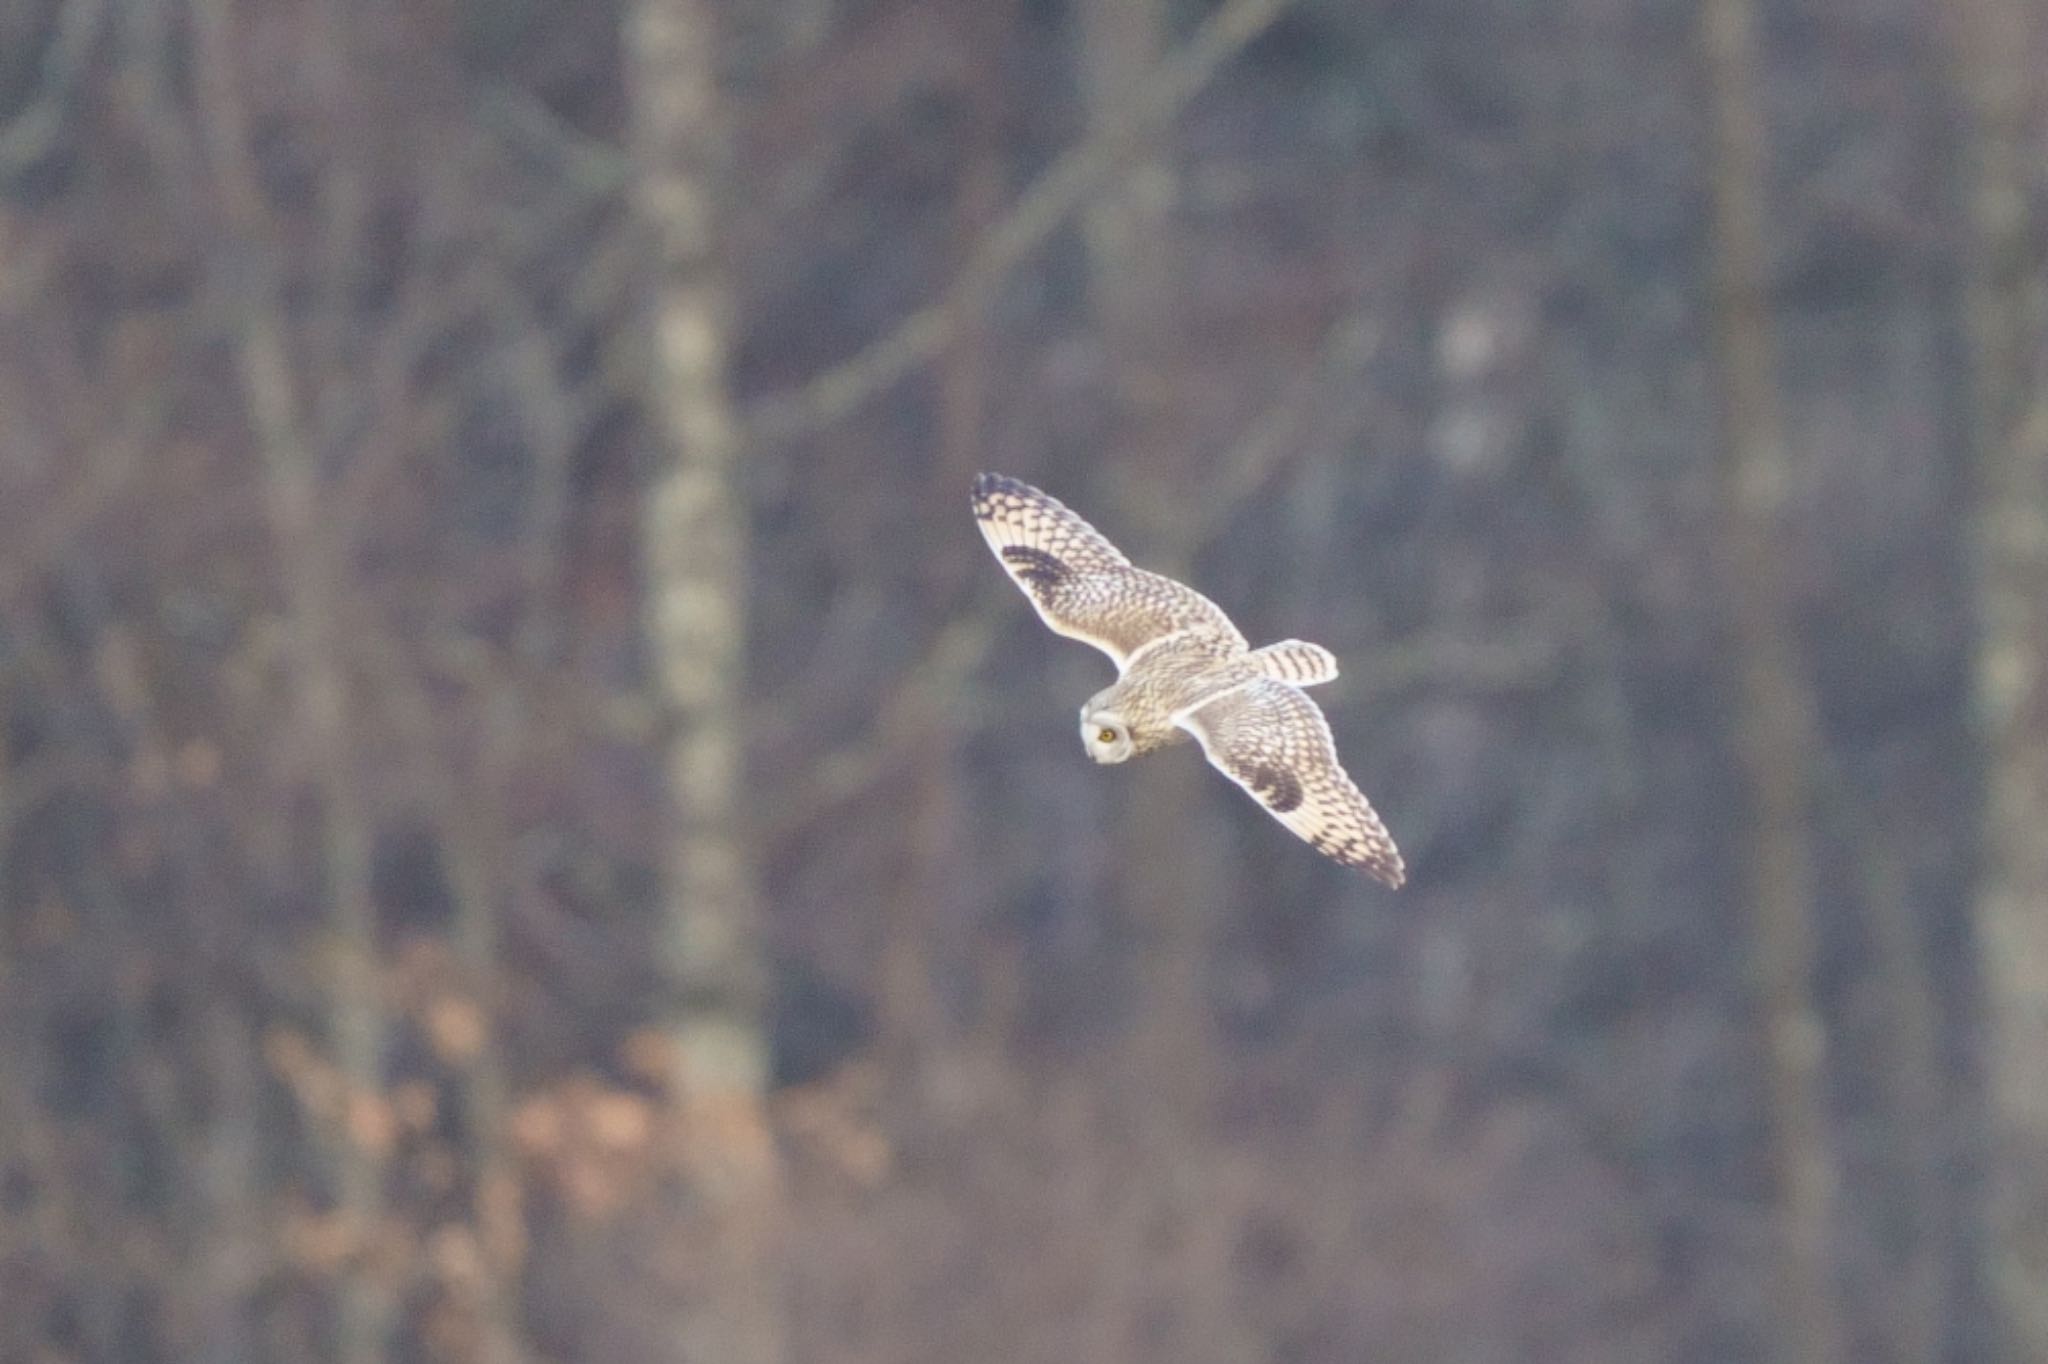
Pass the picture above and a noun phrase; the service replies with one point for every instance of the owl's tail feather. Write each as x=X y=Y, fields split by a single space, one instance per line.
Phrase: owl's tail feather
x=1297 y=662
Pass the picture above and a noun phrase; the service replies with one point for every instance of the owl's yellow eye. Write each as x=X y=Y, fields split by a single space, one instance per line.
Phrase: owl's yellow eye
x=1107 y=736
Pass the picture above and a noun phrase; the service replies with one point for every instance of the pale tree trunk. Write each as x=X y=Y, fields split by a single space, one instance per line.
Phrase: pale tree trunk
x=473 y=851
x=1777 y=731
x=1172 y=878
x=1996 y=68
x=311 y=565
x=1920 y=1302
x=231 y=1248
x=694 y=543
x=939 y=875
x=1122 y=42
x=1147 y=474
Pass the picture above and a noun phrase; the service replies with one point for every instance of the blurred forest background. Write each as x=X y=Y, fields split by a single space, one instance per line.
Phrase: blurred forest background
x=531 y=829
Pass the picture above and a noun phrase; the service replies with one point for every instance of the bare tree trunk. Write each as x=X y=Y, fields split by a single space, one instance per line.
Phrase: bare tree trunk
x=227 y=1268
x=1065 y=187
x=694 y=545
x=938 y=877
x=473 y=852
x=311 y=565
x=1122 y=43
x=1130 y=258
x=1995 y=67
x=1919 y=1305
x=28 y=1141
x=1777 y=732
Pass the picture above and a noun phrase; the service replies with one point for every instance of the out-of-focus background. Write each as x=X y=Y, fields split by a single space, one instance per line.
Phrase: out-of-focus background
x=531 y=828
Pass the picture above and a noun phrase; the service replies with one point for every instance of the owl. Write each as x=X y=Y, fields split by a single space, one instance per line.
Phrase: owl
x=1184 y=670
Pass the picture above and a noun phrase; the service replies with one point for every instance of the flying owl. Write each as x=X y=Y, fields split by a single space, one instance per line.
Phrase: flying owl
x=1183 y=669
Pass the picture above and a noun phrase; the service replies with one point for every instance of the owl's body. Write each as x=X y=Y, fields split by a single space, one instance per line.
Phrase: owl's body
x=1185 y=670
x=1171 y=675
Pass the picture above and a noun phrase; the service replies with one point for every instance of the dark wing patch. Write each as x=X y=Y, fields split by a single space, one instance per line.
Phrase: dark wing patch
x=1082 y=585
x=1271 y=739
x=1014 y=514
x=1276 y=786
x=1036 y=567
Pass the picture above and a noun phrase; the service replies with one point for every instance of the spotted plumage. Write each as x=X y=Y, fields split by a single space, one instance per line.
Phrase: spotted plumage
x=1184 y=670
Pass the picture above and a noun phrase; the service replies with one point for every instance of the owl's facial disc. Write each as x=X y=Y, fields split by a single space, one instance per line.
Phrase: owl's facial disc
x=1105 y=735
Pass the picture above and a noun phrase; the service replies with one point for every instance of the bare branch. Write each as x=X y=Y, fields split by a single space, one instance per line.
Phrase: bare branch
x=596 y=168
x=937 y=680
x=26 y=137
x=1042 y=210
x=1274 y=436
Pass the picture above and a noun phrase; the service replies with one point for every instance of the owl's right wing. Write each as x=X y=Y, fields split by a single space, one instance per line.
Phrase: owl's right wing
x=1082 y=586
x=1271 y=739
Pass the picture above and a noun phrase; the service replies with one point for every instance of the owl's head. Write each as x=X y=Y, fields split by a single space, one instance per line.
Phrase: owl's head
x=1105 y=734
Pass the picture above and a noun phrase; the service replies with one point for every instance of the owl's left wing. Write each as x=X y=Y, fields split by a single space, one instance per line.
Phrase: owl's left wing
x=1271 y=739
x=1082 y=585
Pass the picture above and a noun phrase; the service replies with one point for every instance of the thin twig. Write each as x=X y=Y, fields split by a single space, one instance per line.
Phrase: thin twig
x=1274 y=436
x=595 y=168
x=851 y=771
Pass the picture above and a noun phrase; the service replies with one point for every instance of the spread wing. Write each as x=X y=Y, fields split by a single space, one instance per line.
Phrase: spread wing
x=1272 y=740
x=1083 y=586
